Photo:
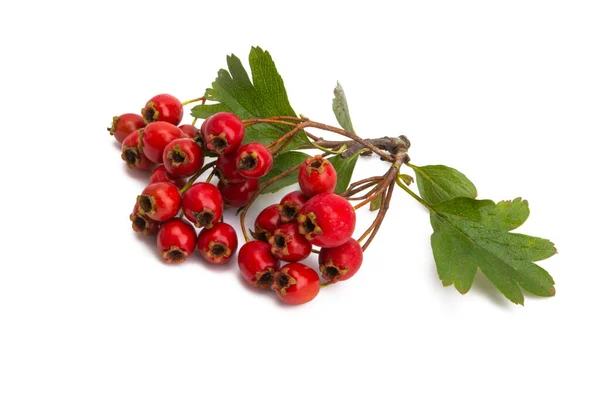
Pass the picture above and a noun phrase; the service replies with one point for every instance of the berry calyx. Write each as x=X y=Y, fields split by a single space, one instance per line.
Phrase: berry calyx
x=183 y=157
x=156 y=137
x=190 y=131
x=342 y=262
x=176 y=240
x=288 y=244
x=163 y=107
x=238 y=194
x=296 y=284
x=327 y=220
x=290 y=204
x=202 y=204
x=218 y=244
x=253 y=160
x=266 y=222
x=132 y=155
x=317 y=175
x=123 y=125
x=141 y=223
x=159 y=201
x=226 y=169
x=257 y=264
x=222 y=133
x=160 y=174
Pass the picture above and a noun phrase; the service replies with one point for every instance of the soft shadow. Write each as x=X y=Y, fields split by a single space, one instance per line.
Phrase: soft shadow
x=150 y=242
x=117 y=146
x=196 y=259
x=483 y=286
x=137 y=174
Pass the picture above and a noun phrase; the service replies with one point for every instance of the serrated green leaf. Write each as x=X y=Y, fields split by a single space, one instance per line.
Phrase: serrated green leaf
x=470 y=234
x=376 y=203
x=282 y=163
x=340 y=108
x=344 y=167
x=206 y=110
x=438 y=183
x=263 y=97
x=510 y=214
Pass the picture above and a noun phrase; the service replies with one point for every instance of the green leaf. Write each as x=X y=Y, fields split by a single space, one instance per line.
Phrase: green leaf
x=407 y=179
x=340 y=108
x=344 y=167
x=262 y=97
x=471 y=234
x=438 y=183
x=206 y=110
x=282 y=163
x=376 y=203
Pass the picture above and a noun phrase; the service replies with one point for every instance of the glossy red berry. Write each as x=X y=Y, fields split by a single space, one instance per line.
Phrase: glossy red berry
x=190 y=131
x=183 y=157
x=159 y=201
x=176 y=240
x=317 y=175
x=238 y=194
x=160 y=174
x=342 y=262
x=290 y=204
x=266 y=222
x=163 y=107
x=123 y=125
x=141 y=223
x=156 y=137
x=253 y=160
x=223 y=133
x=218 y=244
x=226 y=169
x=287 y=244
x=327 y=220
x=257 y=263
x=296 y=284
x=133 y=155
x=202 y=204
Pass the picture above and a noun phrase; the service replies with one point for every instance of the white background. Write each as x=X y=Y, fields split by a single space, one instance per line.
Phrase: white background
x=507 y=92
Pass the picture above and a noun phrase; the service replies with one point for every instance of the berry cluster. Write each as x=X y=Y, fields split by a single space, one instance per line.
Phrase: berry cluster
x=173 y=205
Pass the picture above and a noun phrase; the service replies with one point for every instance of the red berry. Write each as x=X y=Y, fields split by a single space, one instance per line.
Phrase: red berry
x=176 y=240
x=317 y=175
x=253 y=160
x=183 y=157
x=288 y=244
x=160 y=174
x=141 y=223
x=163 y=107
x=124 y=125
x=266 y=222
x=133 y=155
x=223 y=133
x=226 y=169
x=159 y=201
x=342 y=262
x=218 y=244
x=290 y=204
x=238 y=194
x=257 y=264
x=202 y=204
x=190 y=131
x=156 y=137
x=327 y=220
x=296 y=284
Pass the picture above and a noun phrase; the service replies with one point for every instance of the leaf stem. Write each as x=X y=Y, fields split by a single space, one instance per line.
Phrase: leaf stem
x=193 y=178
x=412 y=194
x=202 y=99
